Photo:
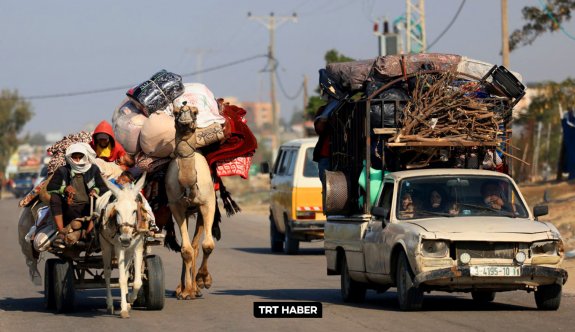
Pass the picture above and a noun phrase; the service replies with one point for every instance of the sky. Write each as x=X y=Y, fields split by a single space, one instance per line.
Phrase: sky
x=62 y=47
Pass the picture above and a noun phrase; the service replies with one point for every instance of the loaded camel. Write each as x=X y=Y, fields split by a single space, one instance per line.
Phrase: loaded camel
x=190 y=189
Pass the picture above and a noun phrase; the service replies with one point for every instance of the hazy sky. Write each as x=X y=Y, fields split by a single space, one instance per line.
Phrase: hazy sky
x=67 y=46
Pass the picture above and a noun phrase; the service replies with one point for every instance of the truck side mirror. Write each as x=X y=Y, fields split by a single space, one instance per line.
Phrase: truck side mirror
x=540 y=210
x=265 y=167
x=380 y=212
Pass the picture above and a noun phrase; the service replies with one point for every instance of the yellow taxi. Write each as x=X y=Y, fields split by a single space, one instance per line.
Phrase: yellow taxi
x=296 y=212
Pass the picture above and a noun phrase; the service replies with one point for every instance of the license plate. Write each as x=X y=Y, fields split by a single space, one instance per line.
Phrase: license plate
x=495 y=271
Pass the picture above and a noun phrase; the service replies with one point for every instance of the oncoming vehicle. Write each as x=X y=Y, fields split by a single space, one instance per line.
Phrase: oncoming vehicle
x=464 y=241
x=296 y=212
x=23 y=182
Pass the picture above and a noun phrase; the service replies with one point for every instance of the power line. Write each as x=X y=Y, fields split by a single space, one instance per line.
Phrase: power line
x=448 y=26
x=124 y=87
x=284 y=91
x=552 y=17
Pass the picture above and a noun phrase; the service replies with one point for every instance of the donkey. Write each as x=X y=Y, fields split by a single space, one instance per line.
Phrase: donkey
x=190 y=188
x=119 y=234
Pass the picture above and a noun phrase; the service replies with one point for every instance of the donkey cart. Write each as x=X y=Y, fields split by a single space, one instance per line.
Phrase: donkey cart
x=81 y=267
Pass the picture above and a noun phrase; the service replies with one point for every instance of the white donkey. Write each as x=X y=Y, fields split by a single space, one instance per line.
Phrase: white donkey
x=119 y=234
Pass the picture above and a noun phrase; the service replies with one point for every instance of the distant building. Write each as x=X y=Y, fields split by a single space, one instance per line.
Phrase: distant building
x=259 y=115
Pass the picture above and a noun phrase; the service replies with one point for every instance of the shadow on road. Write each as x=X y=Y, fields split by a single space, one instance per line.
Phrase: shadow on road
x=386 y=301
x=267 y=251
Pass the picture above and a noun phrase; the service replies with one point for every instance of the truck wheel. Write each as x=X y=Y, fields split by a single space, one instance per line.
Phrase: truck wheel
x=276 y=239
x=548 y=297
x=483 y=296
x=63 y=278
x=154 y=288
x=291 y=244
x=351 y=290
x=49 y=301
x=408 y=296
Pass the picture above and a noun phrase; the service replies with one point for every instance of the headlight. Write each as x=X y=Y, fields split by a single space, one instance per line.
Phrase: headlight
x=544 y=248
x=432 y=248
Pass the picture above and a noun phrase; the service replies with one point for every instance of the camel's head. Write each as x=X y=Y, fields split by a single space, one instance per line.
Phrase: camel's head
x=126 y=210
x=186 y=116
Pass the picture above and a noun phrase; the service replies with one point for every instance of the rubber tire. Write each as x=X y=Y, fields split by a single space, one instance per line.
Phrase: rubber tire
x=49 y=301
x=276 y=239
x=409 y=297
x=291 y=245
x=351 y=290
x=154 y=288
x=63 y=278
x=548 y=297
x=483 y=296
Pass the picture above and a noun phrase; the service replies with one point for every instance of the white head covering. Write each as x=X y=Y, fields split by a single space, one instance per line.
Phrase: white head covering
x=86 y=162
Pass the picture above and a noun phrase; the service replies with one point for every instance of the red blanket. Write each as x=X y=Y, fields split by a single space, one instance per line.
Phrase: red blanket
x=242 y=142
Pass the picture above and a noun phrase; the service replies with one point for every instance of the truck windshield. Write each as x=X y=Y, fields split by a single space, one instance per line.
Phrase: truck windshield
x=463 y=196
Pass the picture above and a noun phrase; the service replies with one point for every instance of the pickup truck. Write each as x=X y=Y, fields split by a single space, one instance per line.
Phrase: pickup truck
x=419 y=195
x=466 y=246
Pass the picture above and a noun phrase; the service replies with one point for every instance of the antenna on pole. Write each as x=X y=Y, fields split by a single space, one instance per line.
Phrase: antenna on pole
x=415 y=36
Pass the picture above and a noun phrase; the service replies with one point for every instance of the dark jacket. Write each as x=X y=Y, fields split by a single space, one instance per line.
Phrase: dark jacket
x=62 y=176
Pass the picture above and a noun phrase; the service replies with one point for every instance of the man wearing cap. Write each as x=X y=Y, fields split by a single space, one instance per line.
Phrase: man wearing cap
x=105 y=144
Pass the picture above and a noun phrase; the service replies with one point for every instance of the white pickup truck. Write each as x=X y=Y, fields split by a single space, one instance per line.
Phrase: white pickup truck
x=464 y=243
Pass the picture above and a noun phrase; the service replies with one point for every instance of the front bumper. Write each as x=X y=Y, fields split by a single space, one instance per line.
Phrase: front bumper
x=459 y=277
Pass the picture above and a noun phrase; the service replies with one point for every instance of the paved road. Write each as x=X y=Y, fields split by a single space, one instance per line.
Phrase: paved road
x=244 y=272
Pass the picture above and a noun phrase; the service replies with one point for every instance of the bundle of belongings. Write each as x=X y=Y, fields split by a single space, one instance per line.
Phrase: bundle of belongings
x=429 y=100
x=144 y=125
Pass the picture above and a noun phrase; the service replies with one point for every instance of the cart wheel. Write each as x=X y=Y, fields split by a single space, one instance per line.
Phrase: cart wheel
x=153 y=287
x=63 y=278
x=49 y=301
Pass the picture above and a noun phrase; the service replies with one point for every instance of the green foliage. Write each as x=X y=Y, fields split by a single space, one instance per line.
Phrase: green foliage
x=314 y=102
x=15 y=112
x=541 y=20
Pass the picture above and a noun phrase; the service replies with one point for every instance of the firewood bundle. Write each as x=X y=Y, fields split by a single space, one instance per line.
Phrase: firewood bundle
x=445 y=109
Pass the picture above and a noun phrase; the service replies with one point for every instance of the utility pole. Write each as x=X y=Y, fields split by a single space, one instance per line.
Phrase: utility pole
x=199 y=52
x=305 y=95
x=504 y=34
x=415 y=26
x=271 y=22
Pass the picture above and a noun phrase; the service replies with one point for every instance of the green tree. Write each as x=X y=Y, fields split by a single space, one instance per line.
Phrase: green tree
x=37 y=139
x=314 y=102
x=541 y=20
x=15 y=112
x=550 y=98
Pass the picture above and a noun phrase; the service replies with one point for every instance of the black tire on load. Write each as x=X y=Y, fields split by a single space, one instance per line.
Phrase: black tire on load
x=483 y=296
x=408 y=296
x=63 y=278
x=351 y=290
x=154 y=288
x=49 y=301
x=548 y=297
x=291 y=244
x=276 y=239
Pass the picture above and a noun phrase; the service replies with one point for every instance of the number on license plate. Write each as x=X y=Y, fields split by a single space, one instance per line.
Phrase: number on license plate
x=495 y=271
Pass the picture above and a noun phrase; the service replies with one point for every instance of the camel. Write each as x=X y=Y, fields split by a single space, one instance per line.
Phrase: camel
x=190 y=189
x=119 y=235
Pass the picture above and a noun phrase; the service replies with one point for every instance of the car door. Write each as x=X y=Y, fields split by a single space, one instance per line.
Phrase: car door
x=373 y=243
x=281 y=187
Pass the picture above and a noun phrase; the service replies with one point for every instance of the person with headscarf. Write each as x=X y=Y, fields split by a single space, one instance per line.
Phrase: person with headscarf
x=104 y=143
x=72 y=185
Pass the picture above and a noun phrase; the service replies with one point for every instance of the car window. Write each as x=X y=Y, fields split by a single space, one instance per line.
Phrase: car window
x=284 y=164
x=458 y=195
x=310 y=169
x=278 y=161
x=292 y=160
x=386 y=197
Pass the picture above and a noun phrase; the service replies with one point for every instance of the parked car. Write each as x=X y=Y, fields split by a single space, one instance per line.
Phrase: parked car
x=296 y=212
